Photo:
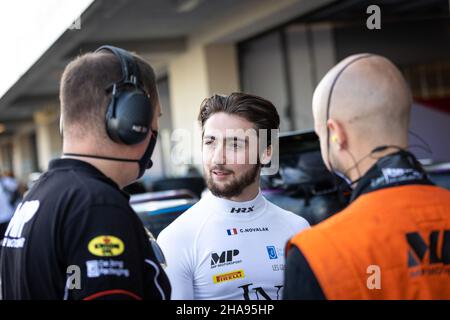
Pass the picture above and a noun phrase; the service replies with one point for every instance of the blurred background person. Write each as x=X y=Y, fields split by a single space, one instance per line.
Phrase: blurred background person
x=7 y=202
x=11 y=187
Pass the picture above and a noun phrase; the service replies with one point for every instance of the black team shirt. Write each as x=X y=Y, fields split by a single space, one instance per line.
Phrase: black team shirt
x=75 y=236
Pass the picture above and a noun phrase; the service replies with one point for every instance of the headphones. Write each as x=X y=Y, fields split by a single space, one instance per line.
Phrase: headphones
x=334 y=138
x=130 y=112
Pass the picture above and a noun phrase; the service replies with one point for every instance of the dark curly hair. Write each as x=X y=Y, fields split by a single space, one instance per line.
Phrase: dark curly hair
x=259 y=111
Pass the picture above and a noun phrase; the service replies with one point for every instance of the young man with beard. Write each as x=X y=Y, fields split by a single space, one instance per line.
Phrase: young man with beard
x=230 y=245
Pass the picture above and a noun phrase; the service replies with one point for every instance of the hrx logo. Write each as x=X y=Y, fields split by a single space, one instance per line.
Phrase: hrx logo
x=438 y=240
x=242 y=210
x=225 y=258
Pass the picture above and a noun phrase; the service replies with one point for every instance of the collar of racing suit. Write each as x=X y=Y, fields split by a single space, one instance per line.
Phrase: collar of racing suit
x=395 y=169
x=240 y=210
x=84 y=168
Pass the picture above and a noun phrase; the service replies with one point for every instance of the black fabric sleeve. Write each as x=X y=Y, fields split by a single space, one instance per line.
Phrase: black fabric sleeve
x=109 y=248
x=300 y=283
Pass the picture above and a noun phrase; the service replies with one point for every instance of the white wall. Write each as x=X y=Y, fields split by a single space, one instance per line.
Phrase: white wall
x=197 y=74
x=48 y=138
x=267 y=72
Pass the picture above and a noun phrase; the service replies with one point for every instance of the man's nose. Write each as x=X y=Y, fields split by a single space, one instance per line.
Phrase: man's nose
x=219 y=155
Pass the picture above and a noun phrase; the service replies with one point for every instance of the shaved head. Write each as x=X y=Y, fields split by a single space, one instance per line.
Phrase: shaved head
x=370 y=95
x=366 y=96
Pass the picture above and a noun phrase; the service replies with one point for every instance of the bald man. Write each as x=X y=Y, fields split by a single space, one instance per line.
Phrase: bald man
x=393 y=240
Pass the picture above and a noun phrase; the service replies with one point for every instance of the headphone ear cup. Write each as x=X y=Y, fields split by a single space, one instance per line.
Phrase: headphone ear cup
x=133 y=117
x=61 y=129
x=112 y=124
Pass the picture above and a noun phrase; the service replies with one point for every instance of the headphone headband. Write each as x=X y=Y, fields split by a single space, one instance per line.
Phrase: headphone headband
x=129 y=114
x=128 y=65
x=330 y=93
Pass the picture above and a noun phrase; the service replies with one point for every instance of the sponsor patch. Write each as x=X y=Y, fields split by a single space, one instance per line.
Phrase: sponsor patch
x=23 y=214
x=106 y=246
x=225 y=258
x=98 y=268
x=219 y=278
x=274 y=252
x=278 y=267
x=242 y=210
x=235 y=231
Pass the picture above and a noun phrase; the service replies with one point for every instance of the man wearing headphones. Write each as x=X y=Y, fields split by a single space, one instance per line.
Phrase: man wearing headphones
x=74 y=236
x=393 y=240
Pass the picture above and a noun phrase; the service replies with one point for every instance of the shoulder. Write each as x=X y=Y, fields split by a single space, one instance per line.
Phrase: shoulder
x=339 y=223
x=76 y=190
x=186 y=227
x=289 y=217
x=101 y=192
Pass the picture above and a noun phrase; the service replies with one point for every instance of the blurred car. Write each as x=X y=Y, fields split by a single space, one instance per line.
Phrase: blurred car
x=303 y=184
x=196 y=184
x=439 y=173
x=158 y=209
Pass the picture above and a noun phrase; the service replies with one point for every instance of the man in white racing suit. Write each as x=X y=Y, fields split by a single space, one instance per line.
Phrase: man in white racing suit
x=230 y=245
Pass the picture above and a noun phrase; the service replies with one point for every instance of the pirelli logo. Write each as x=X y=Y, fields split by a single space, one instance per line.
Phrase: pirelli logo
x=219 y=278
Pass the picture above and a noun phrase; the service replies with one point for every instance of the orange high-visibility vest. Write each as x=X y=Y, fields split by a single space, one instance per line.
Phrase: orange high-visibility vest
x=393 y=243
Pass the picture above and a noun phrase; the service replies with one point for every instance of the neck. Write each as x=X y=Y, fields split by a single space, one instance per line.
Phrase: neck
x=119 y=172
x=249 y=193
x=362 y=167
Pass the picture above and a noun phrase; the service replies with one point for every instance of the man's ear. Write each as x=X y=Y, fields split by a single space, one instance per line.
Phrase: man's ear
x=61 y=129
x=338 y=136
x=266 y=156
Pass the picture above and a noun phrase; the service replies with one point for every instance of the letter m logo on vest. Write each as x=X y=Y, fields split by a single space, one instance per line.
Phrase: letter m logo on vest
x=437 y=249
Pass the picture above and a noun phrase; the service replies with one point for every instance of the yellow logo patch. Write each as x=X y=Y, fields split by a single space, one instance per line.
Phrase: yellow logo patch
x=106 y=246
x=218 y=278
